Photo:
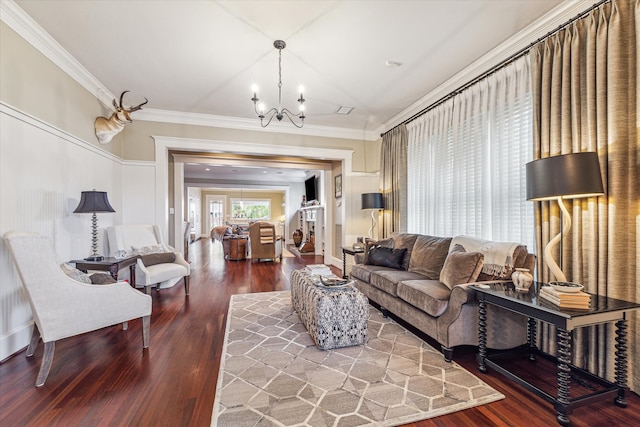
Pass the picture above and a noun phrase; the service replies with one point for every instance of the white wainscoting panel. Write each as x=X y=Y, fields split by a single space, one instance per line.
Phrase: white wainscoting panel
x=139 y=192
x=42 y=173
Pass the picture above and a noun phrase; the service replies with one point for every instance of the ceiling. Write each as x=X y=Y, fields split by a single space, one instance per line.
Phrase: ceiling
x=201 y=58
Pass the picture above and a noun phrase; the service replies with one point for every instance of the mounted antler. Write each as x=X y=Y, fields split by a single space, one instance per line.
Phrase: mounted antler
x=106 y=129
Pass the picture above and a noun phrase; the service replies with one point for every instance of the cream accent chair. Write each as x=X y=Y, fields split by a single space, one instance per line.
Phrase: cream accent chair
x=265 y=244
x=133 y=237
x=63 y=307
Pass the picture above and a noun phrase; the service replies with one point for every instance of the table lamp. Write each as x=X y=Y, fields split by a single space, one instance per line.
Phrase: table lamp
x=374 y=202
x=93 y=202
x=569 y=176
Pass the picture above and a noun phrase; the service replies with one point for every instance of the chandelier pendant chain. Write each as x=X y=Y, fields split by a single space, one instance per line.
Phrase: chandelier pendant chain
x=280 y=112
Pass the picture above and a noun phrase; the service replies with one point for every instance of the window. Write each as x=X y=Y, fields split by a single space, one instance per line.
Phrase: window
x=466 y=161
x=251 y=209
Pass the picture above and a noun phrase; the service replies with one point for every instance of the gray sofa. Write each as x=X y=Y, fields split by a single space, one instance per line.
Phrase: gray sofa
x=424 y=280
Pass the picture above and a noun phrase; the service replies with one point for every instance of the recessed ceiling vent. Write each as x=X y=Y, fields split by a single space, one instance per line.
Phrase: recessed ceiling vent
x=344 y=110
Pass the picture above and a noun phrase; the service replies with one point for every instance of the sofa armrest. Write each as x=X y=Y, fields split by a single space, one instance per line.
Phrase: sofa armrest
x=358 y=258
x=460 y=295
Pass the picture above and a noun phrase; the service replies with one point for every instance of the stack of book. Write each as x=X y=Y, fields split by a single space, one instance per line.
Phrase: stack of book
x=577 y=300
x=318 y=269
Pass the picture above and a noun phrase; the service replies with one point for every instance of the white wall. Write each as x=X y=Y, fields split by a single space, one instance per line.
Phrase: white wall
x=42 y=173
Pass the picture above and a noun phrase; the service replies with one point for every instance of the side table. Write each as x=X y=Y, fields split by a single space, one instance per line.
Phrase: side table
x=110 y=264
x=238 y=248
x=529 y=304
x=348 y=250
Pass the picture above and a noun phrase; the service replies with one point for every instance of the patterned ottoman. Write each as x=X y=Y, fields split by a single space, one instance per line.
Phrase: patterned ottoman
x=334 y=317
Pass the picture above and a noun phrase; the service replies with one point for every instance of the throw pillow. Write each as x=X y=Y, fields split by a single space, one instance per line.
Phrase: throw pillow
x=370 y=243
x=386 y=257
x=75 y=274
x=461 y=267
x=146 y=250
x=428 y=255
x=160 y=258
x=101 y=279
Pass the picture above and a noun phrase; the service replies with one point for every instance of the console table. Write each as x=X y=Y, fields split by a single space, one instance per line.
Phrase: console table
x=601 y=310
x=110 y=264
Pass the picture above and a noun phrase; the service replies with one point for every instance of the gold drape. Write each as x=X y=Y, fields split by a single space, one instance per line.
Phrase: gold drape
x=393 y=180
x=586 y=98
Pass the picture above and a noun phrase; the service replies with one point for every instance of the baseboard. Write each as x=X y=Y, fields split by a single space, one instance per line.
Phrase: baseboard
x=15 y=341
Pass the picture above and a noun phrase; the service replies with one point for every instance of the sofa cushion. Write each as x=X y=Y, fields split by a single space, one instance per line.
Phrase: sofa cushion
x=363 y=271
x=404 y=241
x=161 y=272
x=428 y=255
x=430 y=296
x=461 y=267
x=386 y=257
x=387 y=280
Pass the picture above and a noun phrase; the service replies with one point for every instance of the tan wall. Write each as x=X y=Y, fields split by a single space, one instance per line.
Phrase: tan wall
x=32 y=83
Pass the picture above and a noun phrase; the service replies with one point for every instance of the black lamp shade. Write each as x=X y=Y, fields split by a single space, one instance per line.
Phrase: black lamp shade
x=372 y=201
x=569 y=176
x=94 y=201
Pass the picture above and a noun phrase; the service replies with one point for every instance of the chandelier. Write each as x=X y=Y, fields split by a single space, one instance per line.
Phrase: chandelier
x=279 y=112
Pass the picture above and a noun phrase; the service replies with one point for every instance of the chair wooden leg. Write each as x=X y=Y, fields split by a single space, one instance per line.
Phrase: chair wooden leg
x=146 y=326
x=186 y=285
x=33 y=344
x=47 y=358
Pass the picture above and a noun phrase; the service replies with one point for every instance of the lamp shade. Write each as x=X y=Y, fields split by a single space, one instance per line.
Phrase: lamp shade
x=94 y=201
x=569 y=176
x=372 y=201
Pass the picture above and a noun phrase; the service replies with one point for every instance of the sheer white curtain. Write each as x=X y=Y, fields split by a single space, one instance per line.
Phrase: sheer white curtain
x=466 y=161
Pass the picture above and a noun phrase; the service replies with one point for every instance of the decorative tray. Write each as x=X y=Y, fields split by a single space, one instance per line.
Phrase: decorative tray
x=334 y=282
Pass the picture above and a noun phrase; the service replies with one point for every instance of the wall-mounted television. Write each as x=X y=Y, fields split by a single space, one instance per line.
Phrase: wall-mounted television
x=310 y=188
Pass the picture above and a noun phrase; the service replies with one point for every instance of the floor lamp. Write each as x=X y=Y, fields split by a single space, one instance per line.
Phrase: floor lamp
x=93 y=202
x=374 y=202
x=570 y=176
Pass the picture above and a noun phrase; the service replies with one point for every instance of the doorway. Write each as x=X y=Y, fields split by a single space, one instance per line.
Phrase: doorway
x=216 y=207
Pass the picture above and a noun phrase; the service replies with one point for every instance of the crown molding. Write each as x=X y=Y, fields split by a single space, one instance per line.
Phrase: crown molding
x=556 y=17
x=198 y=119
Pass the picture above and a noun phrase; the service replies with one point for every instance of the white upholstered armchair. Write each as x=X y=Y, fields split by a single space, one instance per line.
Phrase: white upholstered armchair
x=63 y=307
x=153 y=267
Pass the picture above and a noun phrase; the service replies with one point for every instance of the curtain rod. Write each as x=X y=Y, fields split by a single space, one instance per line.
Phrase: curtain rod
x=498 y=66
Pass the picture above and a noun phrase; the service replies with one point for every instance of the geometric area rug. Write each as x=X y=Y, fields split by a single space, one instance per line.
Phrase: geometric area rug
x=272 y=374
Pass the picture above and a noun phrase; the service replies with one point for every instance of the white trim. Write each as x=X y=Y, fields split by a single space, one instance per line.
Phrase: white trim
x=39 y=124
x=198 y=119
x=550 y=21
x=164 y=143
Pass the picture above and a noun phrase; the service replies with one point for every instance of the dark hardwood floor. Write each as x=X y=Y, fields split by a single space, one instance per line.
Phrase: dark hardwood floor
x=104 y=378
